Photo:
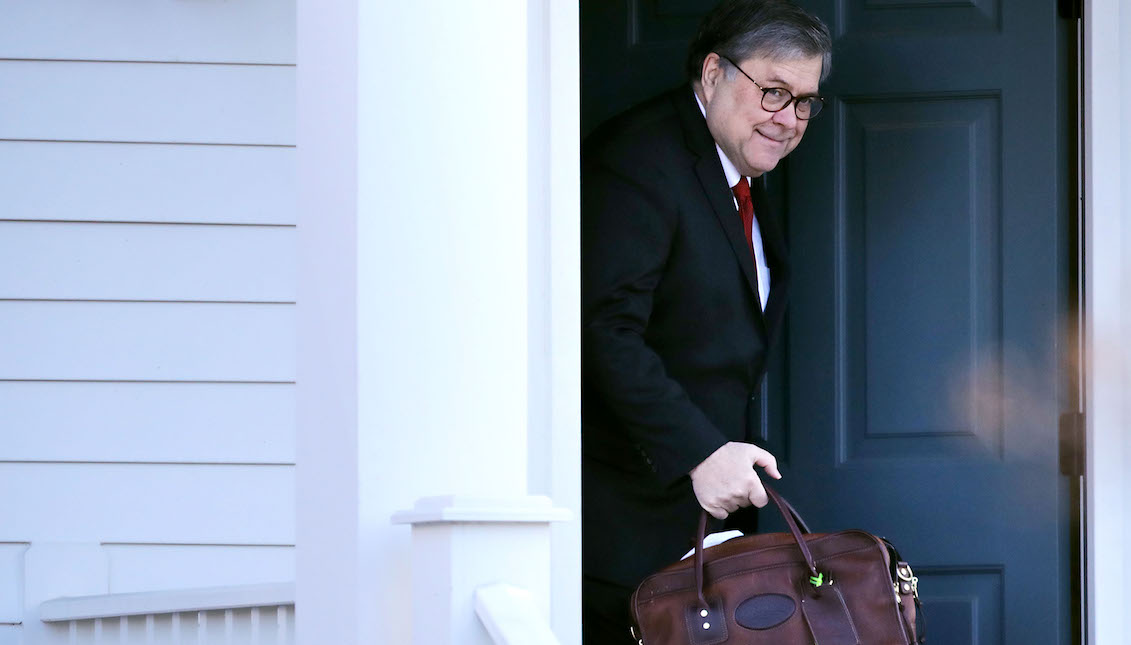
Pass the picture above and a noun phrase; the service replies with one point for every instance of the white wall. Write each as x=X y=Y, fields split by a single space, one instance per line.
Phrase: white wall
x=1108 y=316
x=147 y=283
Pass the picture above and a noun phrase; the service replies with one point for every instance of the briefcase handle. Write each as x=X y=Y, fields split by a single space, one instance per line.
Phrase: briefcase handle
x=797 y=527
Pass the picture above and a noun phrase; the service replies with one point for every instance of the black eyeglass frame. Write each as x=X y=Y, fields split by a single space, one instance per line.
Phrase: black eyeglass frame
x=818 y=101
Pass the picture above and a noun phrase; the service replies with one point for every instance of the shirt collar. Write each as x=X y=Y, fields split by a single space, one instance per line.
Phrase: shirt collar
x=729 y=170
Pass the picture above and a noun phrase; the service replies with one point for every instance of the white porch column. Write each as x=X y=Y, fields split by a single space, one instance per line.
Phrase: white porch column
x=423 y=288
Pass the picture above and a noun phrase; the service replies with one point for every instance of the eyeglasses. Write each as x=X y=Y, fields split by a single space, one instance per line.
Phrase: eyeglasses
x=776 y=99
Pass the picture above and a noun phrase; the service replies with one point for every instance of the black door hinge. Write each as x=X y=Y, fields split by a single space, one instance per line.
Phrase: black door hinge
x=1071 y=9
x=1072 y=451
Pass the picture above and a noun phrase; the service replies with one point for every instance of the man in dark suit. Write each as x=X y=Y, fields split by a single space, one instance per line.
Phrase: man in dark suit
x=683 y=293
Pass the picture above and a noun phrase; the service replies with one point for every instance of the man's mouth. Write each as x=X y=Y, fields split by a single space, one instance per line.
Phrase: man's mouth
x=766 y=136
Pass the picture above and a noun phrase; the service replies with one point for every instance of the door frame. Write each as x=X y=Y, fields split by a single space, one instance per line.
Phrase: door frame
x=1106 y=260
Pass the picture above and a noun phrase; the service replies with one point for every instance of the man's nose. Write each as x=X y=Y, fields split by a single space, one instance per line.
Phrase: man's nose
x=786 y=118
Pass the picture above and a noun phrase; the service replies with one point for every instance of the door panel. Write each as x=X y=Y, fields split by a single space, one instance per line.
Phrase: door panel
x=941 y=258
x=918 y=388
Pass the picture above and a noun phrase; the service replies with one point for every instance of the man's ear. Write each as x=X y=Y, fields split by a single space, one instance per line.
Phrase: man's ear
x=711 y=75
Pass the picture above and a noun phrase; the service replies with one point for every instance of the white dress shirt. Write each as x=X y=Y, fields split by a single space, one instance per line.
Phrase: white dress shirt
x=733 y=177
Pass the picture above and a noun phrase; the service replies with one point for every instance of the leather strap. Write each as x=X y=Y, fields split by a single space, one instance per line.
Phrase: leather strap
x=699 y=535
x=920 y=623
x=787 y=512
x=796 y=516
x=797 y=527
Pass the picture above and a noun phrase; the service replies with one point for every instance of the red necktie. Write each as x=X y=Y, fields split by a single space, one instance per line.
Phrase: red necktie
x=746 y=210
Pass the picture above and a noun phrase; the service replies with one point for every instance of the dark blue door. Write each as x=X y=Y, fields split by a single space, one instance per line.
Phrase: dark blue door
x=921 y=381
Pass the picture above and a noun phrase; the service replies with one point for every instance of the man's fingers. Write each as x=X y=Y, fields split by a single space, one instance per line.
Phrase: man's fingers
x=717 y=513
x=723 y=507
x=758 y=495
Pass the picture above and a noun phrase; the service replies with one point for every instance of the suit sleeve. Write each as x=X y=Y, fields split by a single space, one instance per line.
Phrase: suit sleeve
x=628 y=228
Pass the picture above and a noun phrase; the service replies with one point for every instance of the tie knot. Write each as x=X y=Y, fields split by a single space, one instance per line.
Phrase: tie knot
x=742 y=190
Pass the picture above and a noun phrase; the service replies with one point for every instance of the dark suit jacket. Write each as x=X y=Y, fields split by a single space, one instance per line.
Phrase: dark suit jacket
x=674 y=341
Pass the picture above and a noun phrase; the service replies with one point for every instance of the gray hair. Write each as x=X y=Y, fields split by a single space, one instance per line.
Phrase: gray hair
x=775 y=29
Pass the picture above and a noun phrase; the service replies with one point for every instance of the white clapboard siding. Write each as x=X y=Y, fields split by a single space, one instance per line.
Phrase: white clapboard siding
x=148 y=183
x=149 y=102
x=158 y=567
x=144 y=503
x=11 y=582
x=147 y=270
x=148 y=422
x=53 y=260
x=146 y=341
x=247 y=31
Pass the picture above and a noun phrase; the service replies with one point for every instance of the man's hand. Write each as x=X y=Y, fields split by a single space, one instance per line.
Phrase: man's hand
x=727 y=481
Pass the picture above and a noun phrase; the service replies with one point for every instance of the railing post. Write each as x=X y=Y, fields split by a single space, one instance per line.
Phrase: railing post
x=460 y=544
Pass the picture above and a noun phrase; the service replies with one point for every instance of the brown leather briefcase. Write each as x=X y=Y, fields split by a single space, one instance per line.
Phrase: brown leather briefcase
x=796 y=588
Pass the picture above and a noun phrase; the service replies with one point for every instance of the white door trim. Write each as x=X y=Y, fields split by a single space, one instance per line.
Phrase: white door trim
x=1107 y=51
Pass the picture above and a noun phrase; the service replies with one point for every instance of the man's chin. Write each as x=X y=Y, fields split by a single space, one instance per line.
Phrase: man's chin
x=763 y=166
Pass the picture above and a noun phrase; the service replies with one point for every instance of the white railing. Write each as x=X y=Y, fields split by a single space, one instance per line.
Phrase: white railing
x=243 y=615
x=511 y=616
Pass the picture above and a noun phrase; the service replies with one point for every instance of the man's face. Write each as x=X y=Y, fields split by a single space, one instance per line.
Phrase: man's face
x=752 y=138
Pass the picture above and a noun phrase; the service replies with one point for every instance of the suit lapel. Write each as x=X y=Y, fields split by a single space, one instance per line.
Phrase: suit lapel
x=709 y=170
